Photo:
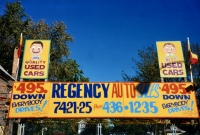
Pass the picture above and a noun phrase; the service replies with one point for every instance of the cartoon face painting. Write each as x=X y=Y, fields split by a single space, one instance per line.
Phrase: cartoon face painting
x=169 y=49
x=36 y=49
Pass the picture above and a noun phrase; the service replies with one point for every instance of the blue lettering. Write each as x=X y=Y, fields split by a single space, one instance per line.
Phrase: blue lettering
x=27 y=109
x=24 y=96
x=29 y=96
x=18 y=110
x=78 y=91
x=41 y=96
x=95 y=87
x=55 y=90
x=71 y=93
x=62 y=91
x=179 y=96
x=88 y=91
x=33 y=96
x=105 y=89
x=37 y=107
x=176 y=97
x=16 y=96
x=179 y=109
x=186 y=96
x=165 y=97
x=154 y=88
x=32 y=108
x=148 y=92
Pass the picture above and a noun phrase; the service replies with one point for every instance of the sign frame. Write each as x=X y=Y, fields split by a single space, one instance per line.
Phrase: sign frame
x=36 y=59
x=111 y=100
x=170 y=59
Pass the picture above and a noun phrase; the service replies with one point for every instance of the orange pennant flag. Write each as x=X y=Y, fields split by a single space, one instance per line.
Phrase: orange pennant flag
x=193 y=58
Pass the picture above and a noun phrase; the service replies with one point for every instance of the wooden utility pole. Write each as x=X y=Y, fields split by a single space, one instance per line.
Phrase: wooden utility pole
x=14 y=71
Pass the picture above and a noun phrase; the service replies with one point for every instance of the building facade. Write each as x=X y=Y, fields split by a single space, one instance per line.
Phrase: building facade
x=6 y=81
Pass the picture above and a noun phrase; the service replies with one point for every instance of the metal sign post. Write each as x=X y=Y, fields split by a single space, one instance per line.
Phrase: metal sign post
x=99 y=128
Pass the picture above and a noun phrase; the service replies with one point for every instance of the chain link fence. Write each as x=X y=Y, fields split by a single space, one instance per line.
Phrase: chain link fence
x=101 y=127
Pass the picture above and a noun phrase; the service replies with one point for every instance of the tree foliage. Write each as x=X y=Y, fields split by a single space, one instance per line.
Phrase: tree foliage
x=15 y=21
x=147 y=69
x=147 y=66
x=11 y=27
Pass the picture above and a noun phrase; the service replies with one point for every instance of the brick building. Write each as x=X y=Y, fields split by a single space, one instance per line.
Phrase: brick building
x=6 y=81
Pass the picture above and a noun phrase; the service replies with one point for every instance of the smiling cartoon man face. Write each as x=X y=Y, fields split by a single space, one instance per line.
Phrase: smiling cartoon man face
x=36 y=49
x=169 y=49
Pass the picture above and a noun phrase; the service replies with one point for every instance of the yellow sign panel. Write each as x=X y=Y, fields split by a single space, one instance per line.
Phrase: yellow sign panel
x=36 y=59
x=102 y=100
x=30 y=99
x=171 y=61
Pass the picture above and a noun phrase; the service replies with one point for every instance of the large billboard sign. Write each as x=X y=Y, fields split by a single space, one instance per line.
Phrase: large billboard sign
x=102 y=100
x=36 y=59
x=171 y=60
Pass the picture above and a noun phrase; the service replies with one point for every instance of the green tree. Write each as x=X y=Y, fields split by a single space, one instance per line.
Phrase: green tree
x=11 y=27
x=147 y=68
x=61 y=68
x=15 y=21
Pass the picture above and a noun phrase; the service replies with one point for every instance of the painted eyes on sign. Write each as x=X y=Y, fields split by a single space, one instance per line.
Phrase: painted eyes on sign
x=36 y=48
x=33 y=47
x=171 y=48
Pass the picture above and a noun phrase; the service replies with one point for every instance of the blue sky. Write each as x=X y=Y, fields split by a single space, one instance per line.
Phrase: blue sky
x=108 y=33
